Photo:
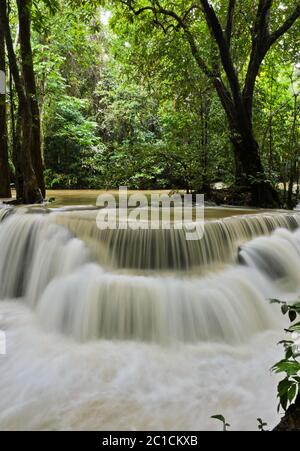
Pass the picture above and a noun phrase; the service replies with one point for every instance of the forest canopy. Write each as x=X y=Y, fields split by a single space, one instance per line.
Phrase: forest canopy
x=150 y=94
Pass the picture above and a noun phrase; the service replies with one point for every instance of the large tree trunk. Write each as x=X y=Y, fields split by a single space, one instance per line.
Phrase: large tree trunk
x=30 y=192
x=250 y=173
x=16 y=134
x=4 y=166
x=16 y=137
x=24 y=7
x=293 y=152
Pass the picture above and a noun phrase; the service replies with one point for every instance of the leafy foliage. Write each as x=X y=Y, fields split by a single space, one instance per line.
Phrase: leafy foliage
x=262 y=425
x=122 y=101
x=289 y=387
x=223 y=421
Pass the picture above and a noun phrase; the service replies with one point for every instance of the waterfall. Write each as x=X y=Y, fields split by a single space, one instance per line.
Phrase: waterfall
x=169 y=249
x=5 y=211
x=91 y=304
x=101 y=323
x=34 y=251
x=278 y=258
x=46 y=259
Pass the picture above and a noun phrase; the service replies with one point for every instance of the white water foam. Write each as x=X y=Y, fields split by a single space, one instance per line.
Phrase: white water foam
x=89 y=349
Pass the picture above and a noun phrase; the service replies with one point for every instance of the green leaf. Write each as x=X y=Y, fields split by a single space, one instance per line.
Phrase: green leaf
x=292 y=315
x=294 y=328
x=292 y=393
x=219 y=417
x=284 y=401
x=283 y=387
x=276 y=301
x=285 y=366
x=286 y=342
x=223 y=420
x=285 y=308
x=289 y=353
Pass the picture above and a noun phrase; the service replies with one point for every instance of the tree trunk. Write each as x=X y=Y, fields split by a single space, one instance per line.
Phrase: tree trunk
x=4 y=165
x=250 y=173
x=290 y=201
x=291 y=421
x=16 y=143
x=16 y=132
x=30 y=192
x=293 y=151
x=24 y=7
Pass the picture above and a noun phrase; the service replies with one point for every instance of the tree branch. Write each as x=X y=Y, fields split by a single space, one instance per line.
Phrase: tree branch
x=158 y=9
x=261 y=25
x=165 y=28
x=285 y=27
x=4 y=23
x=136 y=12
x=213 y=75
x=260 y=36
x=188 y=12
x=261 y=43
x=230 y=19
x=218 y=35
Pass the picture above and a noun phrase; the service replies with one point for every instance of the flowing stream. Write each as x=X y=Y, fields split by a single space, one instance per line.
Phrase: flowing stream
x=141 y=329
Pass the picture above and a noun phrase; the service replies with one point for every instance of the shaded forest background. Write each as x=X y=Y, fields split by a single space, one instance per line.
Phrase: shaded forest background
x=122 y=101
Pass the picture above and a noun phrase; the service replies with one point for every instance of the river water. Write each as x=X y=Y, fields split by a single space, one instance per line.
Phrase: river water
x=131 y=330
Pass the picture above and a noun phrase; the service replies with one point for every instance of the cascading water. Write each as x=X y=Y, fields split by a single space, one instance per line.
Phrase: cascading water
x=5 y=211
x=89 y=326
x=168 y=249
